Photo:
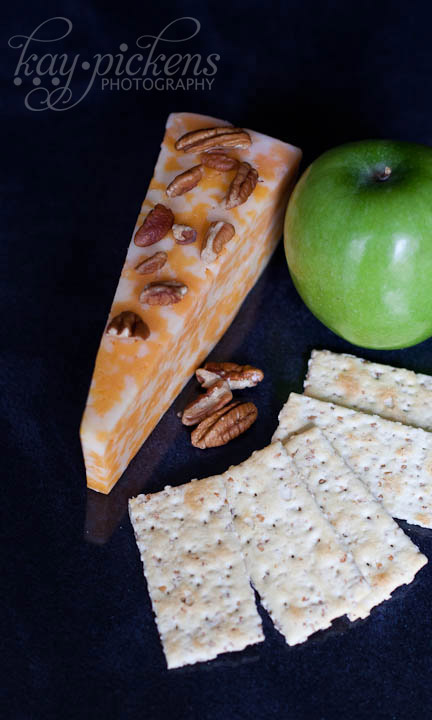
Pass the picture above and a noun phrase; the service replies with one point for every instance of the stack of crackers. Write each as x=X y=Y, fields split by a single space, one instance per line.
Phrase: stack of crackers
x=307 y=521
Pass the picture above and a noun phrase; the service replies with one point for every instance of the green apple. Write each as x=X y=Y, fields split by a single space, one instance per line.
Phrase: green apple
x=358 y=241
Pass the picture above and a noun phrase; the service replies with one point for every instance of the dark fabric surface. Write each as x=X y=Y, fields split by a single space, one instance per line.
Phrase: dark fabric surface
x=78 y=634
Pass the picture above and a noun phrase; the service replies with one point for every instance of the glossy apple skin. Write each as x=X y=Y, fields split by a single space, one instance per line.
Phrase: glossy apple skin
x=359 y=248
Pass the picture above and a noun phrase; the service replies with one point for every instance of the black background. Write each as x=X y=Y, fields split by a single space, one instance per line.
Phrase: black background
x=79 y=638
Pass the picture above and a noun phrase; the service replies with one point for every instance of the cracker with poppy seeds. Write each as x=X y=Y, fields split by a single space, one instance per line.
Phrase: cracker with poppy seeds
x=394 y=393
x=384 y=554
x=304 y=575
x=196 y=577
x=393 y=460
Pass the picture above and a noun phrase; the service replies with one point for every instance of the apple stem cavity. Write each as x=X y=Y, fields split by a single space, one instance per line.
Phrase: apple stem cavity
x=382 y=175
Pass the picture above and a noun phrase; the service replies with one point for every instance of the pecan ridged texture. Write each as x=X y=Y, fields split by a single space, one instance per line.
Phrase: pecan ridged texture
x=237 y=376
x=217 y=396
x=165 y=292
x=242 y=186
x=152 y=264
x=128 y=324
x=185 y=181
x=198 y=141
x=184 y=234
x=219 y=161
x=217 y=235
x=157 y=224
x=224 y=425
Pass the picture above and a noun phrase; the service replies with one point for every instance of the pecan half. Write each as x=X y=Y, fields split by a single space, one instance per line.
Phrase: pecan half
x=224 y=425
x=184 y=234
x=152 y=264
x=165 y=292
x=219 y=161
x=205 y=377
x=216 y=397
x=216 y=137
x=217 y=235
x=237 y=376
x=242 y=186
x=185 y=181
x=156 y=225
x=128 y=324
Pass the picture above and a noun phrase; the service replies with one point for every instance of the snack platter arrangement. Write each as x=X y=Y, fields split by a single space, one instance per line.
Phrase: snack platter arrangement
x=309 y=521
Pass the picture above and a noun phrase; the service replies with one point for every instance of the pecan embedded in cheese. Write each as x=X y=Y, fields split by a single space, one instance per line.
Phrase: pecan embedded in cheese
x=152 y=264
x=219 y=161
x=210 y=138
x=184 y=234
x=217 y=235
x=128 y=324
x=185 y=181
x=242 y=186
x=161 y=292
x=155 y=226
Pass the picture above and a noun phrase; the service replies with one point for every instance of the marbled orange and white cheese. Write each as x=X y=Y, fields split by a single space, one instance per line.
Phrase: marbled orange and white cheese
x=135 y=381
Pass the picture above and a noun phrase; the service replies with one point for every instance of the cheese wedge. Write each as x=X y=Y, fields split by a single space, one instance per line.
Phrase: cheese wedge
x=137 y=378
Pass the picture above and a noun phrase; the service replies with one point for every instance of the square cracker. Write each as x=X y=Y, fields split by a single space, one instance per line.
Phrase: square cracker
x=394 y=460
x=304 y=576
x=384 y=554
x=196 y=576
x=394 y=393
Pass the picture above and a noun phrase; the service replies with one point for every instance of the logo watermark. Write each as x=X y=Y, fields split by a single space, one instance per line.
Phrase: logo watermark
x=62 y=80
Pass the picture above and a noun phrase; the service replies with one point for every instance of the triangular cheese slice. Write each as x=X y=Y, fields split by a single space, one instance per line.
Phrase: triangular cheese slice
x=136 y=378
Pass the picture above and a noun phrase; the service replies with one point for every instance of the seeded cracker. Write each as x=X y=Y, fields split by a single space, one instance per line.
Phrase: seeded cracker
x=200 y=592
x=384 y=554
x=304 y=577
x=394 y=460
x=393 y=393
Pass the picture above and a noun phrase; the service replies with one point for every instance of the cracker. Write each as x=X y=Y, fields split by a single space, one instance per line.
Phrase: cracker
x=394 y=460
x=384 y=554
x=393 y=393
x=196 y=576
x=304 y=576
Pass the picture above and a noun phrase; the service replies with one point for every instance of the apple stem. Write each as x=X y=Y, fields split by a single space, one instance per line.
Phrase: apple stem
x=382 y=175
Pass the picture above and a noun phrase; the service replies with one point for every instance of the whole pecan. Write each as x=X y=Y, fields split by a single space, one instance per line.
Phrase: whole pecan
x=237 y=376
x=185 y=181
x=164 y=292
x=242 y=186
x=158 y=222
x=219 y=161
x=216 y=137
x=128 y=324
x=152 y=264
x=218 y=234
x=224 y=425
x=184 y=234
x=216 y=397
